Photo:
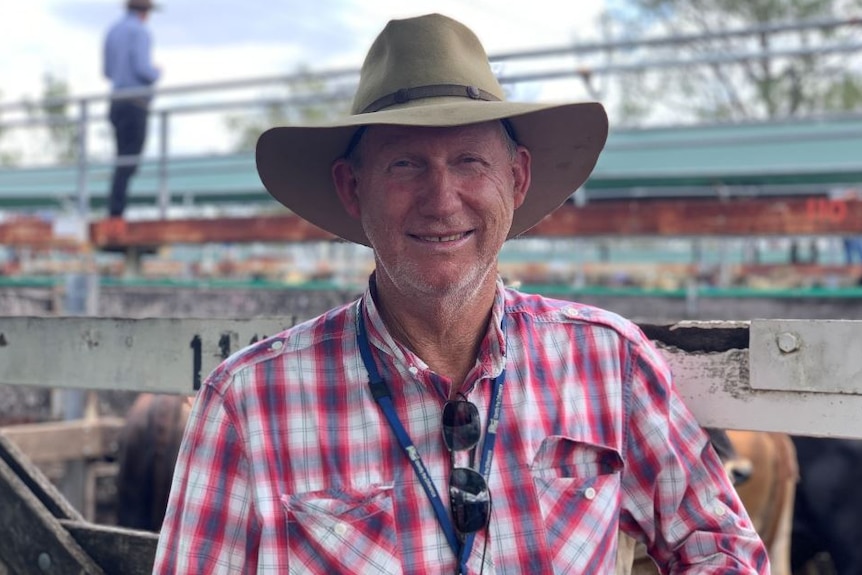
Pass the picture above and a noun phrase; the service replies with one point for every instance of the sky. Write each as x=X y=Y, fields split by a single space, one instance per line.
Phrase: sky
x=204 y=42
x=197 y=41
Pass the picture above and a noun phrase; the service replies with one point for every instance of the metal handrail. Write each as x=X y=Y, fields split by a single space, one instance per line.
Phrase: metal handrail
x=85 y=118
x=340 y=83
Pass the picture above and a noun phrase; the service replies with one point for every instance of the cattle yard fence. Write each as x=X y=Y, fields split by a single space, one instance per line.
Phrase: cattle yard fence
x=802 y=377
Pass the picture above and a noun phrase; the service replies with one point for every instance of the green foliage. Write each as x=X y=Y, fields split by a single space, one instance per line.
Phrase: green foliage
x=52 y=109
x=6 y=158
x=63 y=133
x=304 y=99
x=767 y=87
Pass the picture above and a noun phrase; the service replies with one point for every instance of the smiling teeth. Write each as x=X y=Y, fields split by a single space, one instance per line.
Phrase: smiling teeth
x=442 y=238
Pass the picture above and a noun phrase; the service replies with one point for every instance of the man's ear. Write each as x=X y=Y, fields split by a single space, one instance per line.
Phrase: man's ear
x=521 y=174
x=345 y=182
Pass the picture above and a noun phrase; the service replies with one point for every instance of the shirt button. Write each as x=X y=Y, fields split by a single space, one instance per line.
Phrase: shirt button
x=276 y=345
x=413 y=369
x=720 y=510
x=571 y=312
x=340 y=528
x=590 y=493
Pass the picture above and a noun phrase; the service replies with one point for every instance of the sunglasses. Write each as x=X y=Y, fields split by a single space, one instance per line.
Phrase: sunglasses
x=469 y=497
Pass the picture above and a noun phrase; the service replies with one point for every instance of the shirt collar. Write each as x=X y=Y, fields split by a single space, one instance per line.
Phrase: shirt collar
x=492 y=352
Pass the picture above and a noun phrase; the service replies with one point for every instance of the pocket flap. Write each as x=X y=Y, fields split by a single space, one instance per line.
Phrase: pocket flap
x=561 y=456
x=344 y=503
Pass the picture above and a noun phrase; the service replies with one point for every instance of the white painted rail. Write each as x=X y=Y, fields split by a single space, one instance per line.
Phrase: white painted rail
x=155 y=355
x=797 y=376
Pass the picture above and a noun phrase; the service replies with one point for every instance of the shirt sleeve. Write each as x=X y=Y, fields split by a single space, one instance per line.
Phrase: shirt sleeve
x=210 y=526
x=142 y=66
x=677 y=497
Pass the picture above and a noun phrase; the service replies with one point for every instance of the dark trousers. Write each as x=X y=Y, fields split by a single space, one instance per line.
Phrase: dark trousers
x=129 y=119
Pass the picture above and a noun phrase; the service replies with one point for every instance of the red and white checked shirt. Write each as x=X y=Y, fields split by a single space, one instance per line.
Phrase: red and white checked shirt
x=289 y=466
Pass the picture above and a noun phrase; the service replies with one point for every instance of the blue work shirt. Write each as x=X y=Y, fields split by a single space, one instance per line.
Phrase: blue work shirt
x=127 y=54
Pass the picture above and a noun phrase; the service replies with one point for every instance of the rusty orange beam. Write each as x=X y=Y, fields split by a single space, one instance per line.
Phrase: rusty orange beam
x=672 y=217
x=33 y=233
x=284 y=228
x=712 y=217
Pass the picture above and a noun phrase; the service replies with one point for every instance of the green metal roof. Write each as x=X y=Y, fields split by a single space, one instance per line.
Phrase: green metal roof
x=813 y=152
x=819 y=151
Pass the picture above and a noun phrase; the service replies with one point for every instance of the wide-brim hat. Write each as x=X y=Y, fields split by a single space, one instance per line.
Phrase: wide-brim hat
x=431 y=71
x=145 y=5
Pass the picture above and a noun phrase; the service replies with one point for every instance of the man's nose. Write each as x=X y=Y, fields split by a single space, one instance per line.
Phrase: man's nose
x=441 y=194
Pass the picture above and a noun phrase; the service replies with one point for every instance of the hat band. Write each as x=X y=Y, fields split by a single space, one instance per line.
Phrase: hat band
x=432 y=91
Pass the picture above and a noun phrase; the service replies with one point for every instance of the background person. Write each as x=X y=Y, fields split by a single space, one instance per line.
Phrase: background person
x=128 y=65
x=443 y=422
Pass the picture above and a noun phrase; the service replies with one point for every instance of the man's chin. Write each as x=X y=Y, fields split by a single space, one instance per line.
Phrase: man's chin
x=447 y=283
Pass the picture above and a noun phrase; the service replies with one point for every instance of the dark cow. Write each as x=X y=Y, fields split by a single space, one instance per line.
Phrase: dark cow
x=149 y=443
x=827 y=515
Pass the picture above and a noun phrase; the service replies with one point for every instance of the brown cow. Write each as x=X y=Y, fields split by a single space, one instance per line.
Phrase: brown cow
x=149 y=443
x=764 y=471
x=769 y=493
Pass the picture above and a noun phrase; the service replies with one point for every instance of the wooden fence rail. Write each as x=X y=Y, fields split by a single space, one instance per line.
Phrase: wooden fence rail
x=796 y=376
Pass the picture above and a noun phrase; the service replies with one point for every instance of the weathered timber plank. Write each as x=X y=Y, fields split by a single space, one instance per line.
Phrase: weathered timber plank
x=35 y=481
x=737 y=382
x=117 y=550
x=716 y=387
x=710 y=362
x=33 y=540
x=157 y=355
x=66 y=440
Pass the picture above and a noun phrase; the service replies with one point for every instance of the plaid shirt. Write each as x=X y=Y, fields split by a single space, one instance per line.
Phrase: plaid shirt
x=289 y=466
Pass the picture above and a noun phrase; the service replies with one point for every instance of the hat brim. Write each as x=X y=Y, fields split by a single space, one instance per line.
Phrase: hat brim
x=294 y=162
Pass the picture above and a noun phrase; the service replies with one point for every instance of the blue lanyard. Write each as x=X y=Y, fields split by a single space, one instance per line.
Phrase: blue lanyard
x=380 y=392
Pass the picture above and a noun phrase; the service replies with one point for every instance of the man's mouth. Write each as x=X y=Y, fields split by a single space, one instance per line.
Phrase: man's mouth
x=441 y=239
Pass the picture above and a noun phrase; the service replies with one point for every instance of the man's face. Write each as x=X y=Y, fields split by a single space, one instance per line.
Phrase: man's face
x=435 y=203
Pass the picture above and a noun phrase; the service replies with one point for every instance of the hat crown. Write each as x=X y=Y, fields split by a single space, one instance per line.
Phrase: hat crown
x=141 y=5
x=431 y=50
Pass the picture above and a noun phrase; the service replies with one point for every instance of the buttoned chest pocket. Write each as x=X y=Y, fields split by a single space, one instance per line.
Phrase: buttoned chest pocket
x=342 y=531
x=577 y=485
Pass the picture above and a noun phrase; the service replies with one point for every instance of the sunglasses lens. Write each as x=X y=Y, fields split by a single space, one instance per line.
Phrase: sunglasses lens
x=461 y=425
x=469 y=499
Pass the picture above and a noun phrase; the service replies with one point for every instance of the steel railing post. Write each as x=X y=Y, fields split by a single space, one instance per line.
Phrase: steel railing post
x=83 y=165
x=164 y=191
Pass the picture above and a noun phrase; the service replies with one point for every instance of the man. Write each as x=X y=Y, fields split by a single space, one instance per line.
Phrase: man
x=128 y=65
x=444 y=423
